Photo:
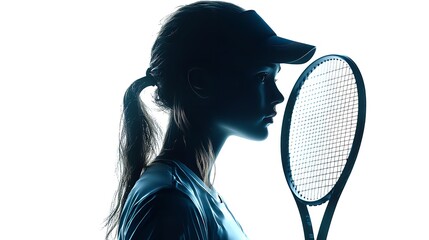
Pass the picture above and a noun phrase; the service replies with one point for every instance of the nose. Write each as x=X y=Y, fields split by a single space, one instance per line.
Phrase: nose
x=277 y=96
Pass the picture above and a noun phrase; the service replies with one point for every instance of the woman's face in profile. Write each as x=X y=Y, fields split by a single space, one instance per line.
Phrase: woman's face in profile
x=246 y=100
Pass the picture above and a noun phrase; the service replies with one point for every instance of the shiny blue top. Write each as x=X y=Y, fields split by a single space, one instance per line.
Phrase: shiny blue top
x=170 y=202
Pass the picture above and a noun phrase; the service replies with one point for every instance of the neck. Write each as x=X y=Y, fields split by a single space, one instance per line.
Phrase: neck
x=200 y=145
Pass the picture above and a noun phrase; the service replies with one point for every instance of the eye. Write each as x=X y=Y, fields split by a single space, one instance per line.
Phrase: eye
x=262 y=76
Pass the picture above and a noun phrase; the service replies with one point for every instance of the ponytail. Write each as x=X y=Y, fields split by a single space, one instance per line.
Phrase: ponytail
x=138 y=141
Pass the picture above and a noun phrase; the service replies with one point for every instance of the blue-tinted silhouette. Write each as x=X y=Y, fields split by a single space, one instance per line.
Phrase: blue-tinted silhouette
x=214 y=66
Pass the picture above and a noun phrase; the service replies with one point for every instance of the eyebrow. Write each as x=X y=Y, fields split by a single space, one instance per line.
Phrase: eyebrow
x=274 y=65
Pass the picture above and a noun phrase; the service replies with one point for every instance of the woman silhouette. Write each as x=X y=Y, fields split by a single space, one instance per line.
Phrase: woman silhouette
x=214 y=66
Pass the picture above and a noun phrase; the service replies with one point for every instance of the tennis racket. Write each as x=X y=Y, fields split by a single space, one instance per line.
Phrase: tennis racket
x=321 y=134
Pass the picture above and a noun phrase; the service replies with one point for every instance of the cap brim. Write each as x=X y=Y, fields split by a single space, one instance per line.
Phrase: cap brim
x=281 y=50
x=250 y=38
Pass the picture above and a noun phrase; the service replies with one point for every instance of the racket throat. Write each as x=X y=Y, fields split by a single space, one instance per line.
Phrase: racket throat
x=306 y=220
x=327 y=217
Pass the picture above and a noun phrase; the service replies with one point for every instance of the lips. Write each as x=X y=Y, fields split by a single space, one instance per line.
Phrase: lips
x=268 y=119
x=271 y=115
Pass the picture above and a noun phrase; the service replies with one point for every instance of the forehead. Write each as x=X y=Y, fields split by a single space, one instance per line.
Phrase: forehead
x=256 y=67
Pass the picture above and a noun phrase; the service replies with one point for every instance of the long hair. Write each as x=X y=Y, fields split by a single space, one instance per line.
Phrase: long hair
x=187 y=38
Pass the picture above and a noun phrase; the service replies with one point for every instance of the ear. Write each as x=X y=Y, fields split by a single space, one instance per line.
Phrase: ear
x=200 y=82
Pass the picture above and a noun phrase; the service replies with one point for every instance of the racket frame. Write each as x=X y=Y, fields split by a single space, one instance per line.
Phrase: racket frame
x=334 y=194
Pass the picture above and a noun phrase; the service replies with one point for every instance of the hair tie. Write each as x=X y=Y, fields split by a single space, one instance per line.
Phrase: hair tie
x=149 y=79
x=138 y=85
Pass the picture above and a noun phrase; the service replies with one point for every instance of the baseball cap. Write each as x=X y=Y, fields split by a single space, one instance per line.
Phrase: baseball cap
x=252 y=38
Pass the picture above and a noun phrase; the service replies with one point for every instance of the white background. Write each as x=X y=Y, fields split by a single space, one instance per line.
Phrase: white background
x=64 y=66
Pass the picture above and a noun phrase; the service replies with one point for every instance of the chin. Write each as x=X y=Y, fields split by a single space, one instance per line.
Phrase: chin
x=260 y=135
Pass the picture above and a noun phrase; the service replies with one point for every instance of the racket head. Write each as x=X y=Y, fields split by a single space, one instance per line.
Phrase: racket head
x=322 y=128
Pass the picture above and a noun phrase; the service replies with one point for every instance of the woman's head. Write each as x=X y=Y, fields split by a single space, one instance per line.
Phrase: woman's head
x=209 y=39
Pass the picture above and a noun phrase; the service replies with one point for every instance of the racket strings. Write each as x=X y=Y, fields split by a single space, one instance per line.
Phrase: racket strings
x=322 y=128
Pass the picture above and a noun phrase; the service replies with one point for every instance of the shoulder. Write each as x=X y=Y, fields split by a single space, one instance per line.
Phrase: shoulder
x=164 y=203
x=158 y=203
x=170 y=205
x=165 y=214
x=156 y=177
